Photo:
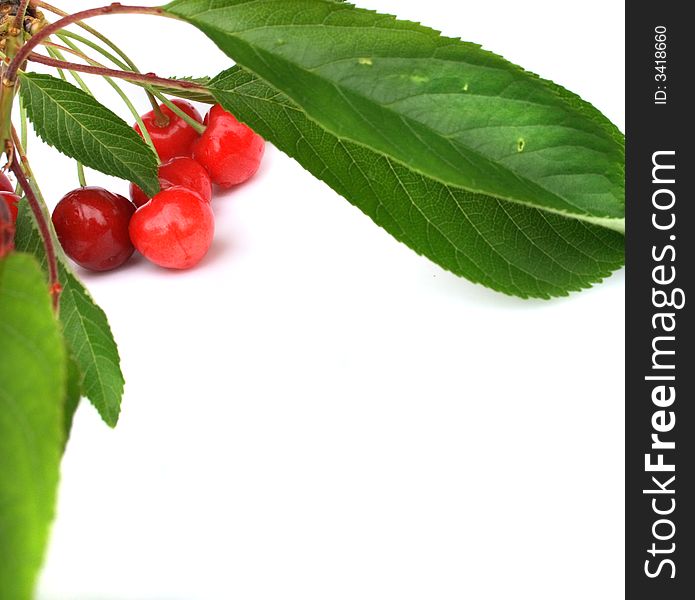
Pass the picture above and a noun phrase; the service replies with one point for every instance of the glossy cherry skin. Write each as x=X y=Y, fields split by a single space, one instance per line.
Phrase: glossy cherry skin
x=230 y=151
x=5 y=184
x=92 y=226
x=180 y=171
x=6 y=229
x=11 y=199
x=173 y=230
x=176 y=138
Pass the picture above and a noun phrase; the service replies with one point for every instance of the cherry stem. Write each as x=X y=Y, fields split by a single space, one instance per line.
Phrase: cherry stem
x=17 y=167
x=97 y=34
x=74 y=49
x=186 y=118
x=160 y=119
x=146 y=78
x=113 y=9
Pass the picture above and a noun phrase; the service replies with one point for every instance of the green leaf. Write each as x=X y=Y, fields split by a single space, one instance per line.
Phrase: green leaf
x=448 y=110
x=508 y=247
x=32 y=389
x=195 y=95
x=86 y=329
x=79 y=126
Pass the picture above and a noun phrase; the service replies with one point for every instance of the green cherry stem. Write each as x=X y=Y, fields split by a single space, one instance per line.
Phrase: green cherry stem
x=199 y=127
x=73 y=49
x=127 y=63
x=83 y=86
x=25 y=51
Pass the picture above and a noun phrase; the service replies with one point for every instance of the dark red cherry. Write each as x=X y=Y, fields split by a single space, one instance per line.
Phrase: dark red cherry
x=92 y=226
x=11 y=200
x=5 y=184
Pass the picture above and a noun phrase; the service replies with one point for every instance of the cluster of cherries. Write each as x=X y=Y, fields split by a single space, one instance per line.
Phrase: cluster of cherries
x=100 y=230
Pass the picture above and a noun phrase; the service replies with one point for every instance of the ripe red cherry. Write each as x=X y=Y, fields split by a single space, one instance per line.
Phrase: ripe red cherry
x=5 y=184
x=180 y=171
x=92 y=226
x=10 y=199
x=177 y=137
x=174 y=229
x=230 y=151
x=6 y=229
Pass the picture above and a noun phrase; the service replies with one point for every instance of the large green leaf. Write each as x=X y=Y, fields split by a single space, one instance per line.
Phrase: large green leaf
x=79 y=126
x=85 y=327
x=32 y=390
x=437 y=106
x=509 y=247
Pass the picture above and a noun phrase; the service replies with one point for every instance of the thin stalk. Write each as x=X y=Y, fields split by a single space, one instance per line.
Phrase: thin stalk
x=161 y=118
x=80 y=174
x=23 y=137
x=94 y=46
x=73 y=49
x=97 y=34
x=18 y=167
x=55 y=53
x=199 y=127
x=83 y=86
x=113 y=9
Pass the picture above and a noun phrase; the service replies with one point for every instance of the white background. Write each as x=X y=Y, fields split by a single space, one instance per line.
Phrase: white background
x=317 y=413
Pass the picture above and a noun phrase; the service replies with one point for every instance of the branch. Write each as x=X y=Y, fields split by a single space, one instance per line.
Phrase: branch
x=146 y=78
x=44 y=229
x=53 y=28
x=19 y=17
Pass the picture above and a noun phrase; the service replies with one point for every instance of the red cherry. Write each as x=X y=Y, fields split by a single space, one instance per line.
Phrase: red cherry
x=174 y=229
x=11 y=199
x=180 y=171
x=177 y=137
x=92 y=226
x=6 y=229
x=5 y=184
x=229 y=150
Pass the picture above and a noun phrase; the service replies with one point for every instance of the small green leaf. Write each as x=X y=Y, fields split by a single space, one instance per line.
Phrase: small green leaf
x=32 y=392
x=79 y=126
x=449 y=110
x=195 y=95
x=506 y=246
x=85 y=327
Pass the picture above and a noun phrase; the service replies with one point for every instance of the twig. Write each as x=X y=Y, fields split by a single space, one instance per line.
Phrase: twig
x=147 y=78
x=53 y=28
x=17 y=168
x=19 y=17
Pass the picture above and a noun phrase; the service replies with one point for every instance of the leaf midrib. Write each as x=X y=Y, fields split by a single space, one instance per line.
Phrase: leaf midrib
x=581 y=214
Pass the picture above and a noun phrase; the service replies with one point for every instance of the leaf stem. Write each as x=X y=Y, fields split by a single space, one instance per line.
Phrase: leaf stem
x=18 y=167
x=113 y=9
